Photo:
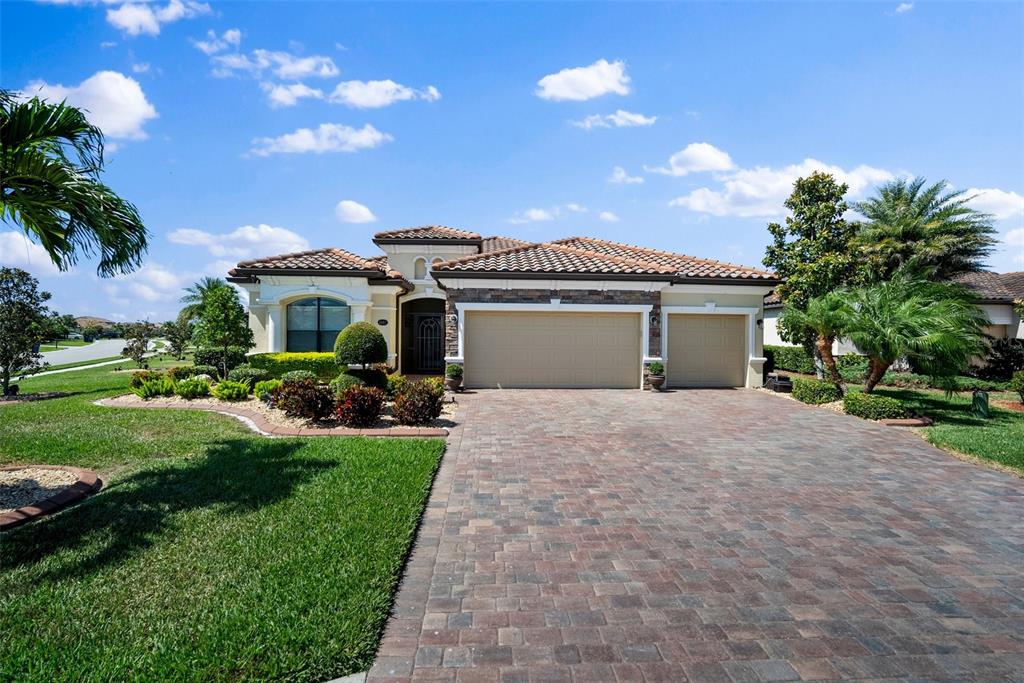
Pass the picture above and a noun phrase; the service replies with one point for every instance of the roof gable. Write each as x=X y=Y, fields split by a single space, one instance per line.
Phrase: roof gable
x=552 y=258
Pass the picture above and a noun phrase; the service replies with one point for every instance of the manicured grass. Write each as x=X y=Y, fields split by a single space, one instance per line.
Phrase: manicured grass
x=63 y=344
x=211 y=554
x=79 y=364
x=1000 y=438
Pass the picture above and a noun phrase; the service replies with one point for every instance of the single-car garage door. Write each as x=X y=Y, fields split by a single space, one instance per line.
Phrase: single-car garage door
x=706 y=350
x=556 y=349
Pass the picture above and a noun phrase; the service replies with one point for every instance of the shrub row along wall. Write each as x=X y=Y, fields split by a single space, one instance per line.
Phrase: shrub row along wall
x=323 y=365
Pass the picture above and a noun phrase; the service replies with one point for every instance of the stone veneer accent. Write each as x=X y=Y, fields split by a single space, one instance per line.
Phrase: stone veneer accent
x=544 y=296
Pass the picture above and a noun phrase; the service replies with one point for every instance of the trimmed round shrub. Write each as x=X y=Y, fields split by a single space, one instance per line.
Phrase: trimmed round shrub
x=792 y=358
x=192 y=388
x=656 y=368
x=263 y=389
x=420 y=403
x=360 y=344
x=303 y=399
x=360 y=406
x=1017 y=384
x=396 y=384
x=228 y=390
x=371 y=377
x=815 y=391
x=322 y=365
x=203 y=370
x=248 y=374
x=151 y=388
x=453 y=371
x=298 y=376
x=345 y=381
x=140 y=377
x=182 y=372
x=874 y=407
x=211 y=355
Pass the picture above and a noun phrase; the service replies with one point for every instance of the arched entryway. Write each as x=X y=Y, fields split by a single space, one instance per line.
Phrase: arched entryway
x=422 y=337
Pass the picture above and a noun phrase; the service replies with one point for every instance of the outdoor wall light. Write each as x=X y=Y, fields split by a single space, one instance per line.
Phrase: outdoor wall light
x=760 y=322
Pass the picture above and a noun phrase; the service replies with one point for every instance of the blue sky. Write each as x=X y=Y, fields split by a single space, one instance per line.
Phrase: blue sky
x=238 y=128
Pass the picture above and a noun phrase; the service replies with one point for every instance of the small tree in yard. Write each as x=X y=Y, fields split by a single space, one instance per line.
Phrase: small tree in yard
x=138 y=336
x=23 y=316
x=825 y=316
x=936 y=326
x=812 y=253
x=223 y=323
x=178 y=334
x=360 y=344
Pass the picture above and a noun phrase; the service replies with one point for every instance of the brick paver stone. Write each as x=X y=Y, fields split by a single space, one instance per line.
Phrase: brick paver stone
x=705 y=535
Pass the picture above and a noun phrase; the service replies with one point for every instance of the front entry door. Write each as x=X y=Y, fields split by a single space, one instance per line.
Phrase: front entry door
x=428 y=342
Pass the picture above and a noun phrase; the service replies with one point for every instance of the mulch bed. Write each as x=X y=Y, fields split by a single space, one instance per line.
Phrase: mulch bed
x=269 y=422
x=1010 y=405
x=30 y=491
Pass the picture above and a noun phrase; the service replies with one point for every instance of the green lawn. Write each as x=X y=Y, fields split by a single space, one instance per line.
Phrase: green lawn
x=81 y=363
x=63 y=344
x=211 y=554
x=1000 y=438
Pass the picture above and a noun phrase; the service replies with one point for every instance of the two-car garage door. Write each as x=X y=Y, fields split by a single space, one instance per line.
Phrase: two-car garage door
x=552 y=349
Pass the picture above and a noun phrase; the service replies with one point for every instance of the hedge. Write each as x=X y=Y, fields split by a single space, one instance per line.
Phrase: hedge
x=815 y=391
x=792 y=358
x=874 y=407
x=320 y=364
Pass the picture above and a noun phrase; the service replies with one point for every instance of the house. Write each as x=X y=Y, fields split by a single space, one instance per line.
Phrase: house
x=995 y=293
x=577 y=312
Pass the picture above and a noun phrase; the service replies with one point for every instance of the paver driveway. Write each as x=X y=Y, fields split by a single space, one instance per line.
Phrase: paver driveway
x=709 y=536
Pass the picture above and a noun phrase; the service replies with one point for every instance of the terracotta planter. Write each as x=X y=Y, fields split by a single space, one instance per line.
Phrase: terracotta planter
x=656 y=382
x=453 y=383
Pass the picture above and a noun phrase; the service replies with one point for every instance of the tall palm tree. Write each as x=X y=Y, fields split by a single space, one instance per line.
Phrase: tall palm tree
x=826 y=317
x=50 y=161
x=197 y=294
x=933 y=324
x=925 y=227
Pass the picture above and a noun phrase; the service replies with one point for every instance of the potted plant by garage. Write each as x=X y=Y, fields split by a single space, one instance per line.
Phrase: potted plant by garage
x=453 y=376
x=656 y=375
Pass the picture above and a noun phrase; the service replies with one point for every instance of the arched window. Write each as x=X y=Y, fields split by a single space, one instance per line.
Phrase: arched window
x=314 y=323
x=420 y=269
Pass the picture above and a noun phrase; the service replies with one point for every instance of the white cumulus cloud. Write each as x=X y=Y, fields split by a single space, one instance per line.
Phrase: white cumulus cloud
x=608 y=216
x=585 y=82
x=288 y=95
x=214 y=44
x=375 y=94
x=243 y=242
x=327 y=137
x=138 y=18
x=761 y=191
x=113 y=101
x=349 y=211
x=284 y=65
x=904 y=7
x=536 y=215
x=620 y=119
x=1015 y=238
x=1002 y=204
x=696 y=157
x=620 y=177
x=16 y=250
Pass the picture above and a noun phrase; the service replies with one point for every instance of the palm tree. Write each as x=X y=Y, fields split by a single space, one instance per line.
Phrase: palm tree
x=50 y=161
x=925 y=227
x=197 y=294
x=935 y=325
x=826 y=318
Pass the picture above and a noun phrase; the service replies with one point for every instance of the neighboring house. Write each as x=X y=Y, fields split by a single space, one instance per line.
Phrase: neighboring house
x=996 y=293
x=577 y=312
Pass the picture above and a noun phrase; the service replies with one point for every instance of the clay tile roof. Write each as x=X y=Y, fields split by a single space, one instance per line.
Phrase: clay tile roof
x=426 y=232
x=330 y=258
x=549 y=257
x=995 y=286
x=684 y=266
x=382 y=263
x=498 y=243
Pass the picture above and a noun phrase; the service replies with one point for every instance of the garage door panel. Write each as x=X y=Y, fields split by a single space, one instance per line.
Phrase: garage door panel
x=706 y=350
x=552 y=349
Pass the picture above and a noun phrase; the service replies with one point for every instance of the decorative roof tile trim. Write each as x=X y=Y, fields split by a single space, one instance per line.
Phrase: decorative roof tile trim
x=426 y=232
x=995 y=287
x=330 y=258
x=550 y=258
x=686 y=266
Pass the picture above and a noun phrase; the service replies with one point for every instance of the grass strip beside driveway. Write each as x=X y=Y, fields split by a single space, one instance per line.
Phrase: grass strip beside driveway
x=212 y=554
